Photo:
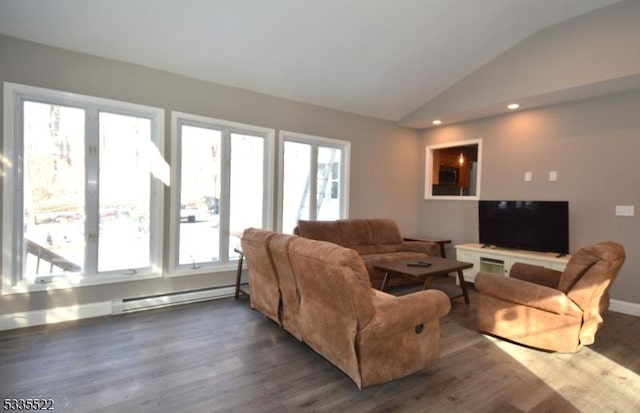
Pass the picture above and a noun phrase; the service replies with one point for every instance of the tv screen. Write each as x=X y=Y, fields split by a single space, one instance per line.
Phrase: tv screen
x=529 y=225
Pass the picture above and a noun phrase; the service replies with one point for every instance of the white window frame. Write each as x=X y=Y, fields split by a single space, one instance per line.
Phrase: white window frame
x=227 y=127
x=12 y=239
x=315 y=142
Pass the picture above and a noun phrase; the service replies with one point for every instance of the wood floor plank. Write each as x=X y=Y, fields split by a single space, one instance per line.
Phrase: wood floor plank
x=221 y=356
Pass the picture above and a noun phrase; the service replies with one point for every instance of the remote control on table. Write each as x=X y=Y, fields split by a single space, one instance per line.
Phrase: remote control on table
x=419 y=264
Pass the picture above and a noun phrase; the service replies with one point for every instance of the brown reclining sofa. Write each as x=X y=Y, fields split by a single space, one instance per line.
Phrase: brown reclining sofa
x=376 y=240
x=320 y=292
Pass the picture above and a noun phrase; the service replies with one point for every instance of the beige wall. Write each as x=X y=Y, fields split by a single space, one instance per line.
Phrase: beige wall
x=384 y=157
x=593 y=144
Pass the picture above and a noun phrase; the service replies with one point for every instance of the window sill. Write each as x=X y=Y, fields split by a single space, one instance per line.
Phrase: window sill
x=65 y=282
x=188 y=270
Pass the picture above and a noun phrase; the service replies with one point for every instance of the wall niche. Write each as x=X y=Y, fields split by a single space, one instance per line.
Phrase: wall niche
x=452 y=170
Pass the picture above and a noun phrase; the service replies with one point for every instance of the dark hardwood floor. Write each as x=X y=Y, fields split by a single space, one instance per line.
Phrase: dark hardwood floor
x=220 y=356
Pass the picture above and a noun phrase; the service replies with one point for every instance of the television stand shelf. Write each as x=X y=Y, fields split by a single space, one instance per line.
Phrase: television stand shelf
x=500 y=260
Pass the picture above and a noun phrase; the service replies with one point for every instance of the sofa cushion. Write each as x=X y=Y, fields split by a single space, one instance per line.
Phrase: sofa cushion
x=290 y=300
x=335 y=299
x=264 y=290
x=355 y=232
x=319 y=269
x=320 y=231
x=384 y=231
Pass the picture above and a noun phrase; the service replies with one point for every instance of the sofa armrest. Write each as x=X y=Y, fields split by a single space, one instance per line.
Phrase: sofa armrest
x=425 y=247
x=526 y=293
x=535 y=274
x=408 y=312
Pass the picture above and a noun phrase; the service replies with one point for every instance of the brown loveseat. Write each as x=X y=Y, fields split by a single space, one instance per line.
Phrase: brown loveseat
x=548 y=309
x=376 y=240
x=320 y=292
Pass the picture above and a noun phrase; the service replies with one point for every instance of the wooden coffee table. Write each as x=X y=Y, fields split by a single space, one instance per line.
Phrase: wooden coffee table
x=439 y=266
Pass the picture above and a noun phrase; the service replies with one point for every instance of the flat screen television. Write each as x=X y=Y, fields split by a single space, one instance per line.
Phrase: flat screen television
x=528 y=225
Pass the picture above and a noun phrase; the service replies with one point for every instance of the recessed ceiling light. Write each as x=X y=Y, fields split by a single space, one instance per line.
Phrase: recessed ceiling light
x=513 y=106
x=437 y=122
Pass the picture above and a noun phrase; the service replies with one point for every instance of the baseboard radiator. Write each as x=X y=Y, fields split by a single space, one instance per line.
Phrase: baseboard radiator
x=131 y=304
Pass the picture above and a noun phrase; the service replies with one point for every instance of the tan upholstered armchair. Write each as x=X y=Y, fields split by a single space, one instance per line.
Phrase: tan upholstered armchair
x=552 y=310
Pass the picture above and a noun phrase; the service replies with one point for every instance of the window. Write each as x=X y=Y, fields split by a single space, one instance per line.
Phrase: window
x=82 y=194
x=452 y=171
x=223 y=184
x=312 y=165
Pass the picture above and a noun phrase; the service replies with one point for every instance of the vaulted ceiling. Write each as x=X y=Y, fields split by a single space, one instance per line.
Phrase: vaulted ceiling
x=378 y=58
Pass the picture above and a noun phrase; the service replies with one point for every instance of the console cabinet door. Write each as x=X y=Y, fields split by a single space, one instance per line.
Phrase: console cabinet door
x=466 y=256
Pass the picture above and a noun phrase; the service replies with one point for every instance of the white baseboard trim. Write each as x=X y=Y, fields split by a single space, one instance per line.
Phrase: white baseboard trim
x=625 y=307
x=54 y=315
x=77 y=312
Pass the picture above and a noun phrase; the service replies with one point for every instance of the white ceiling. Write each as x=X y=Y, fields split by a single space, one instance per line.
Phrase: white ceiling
x=381 y=58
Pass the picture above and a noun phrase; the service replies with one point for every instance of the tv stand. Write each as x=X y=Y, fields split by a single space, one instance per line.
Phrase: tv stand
x=499 y=260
